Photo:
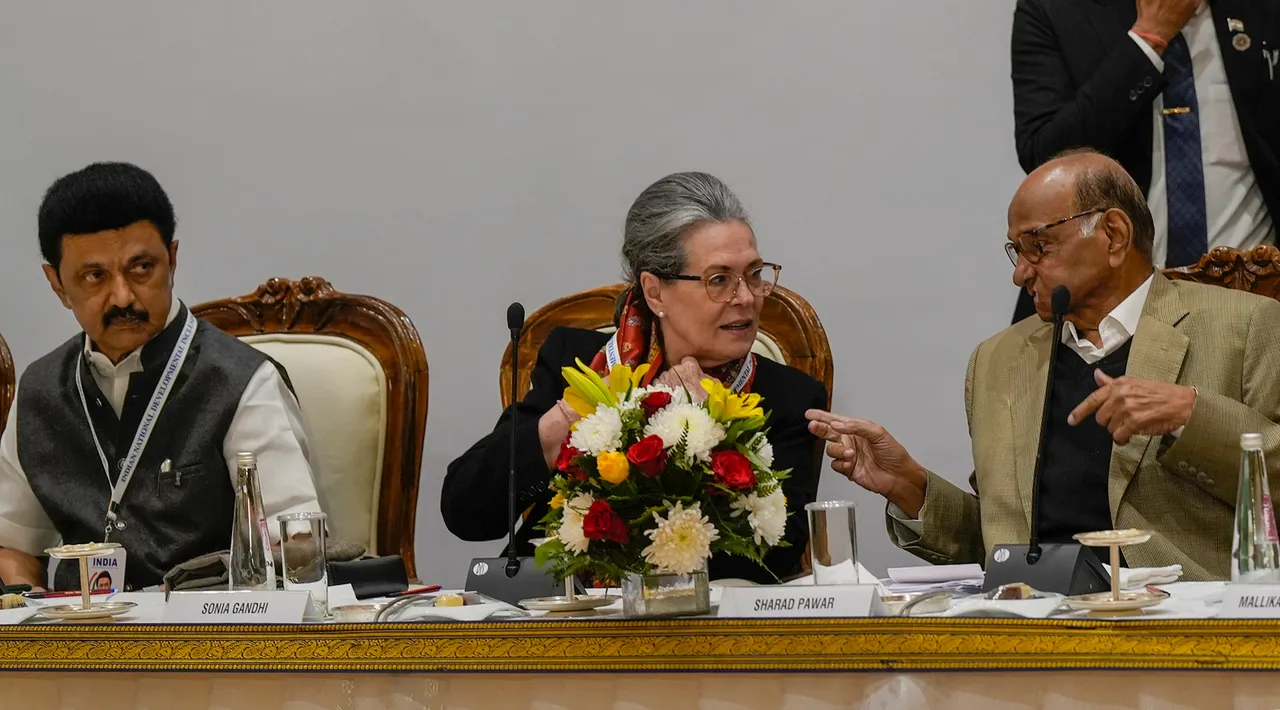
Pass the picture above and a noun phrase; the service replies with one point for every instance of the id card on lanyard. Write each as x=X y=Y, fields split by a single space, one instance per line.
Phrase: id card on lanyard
x=145 y=427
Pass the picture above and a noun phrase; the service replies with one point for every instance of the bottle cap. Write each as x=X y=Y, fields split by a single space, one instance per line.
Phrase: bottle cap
x=1251 y=441
x=246 y=458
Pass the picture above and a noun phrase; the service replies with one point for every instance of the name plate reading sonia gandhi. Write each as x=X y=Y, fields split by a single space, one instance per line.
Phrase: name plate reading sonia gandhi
x=790 y=601
x=238 y=608
x=1250 y=601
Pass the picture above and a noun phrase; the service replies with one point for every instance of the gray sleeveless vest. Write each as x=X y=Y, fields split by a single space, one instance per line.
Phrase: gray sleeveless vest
x=170 y=517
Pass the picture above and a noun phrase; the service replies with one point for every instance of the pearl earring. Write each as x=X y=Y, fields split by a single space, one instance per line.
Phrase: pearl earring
x=662 y=314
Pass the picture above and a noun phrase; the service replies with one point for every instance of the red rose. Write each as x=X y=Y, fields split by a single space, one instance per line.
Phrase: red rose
x=733 y=470
x=648 y=455
x=654 y=402
x=564 y=462
x=601 y=523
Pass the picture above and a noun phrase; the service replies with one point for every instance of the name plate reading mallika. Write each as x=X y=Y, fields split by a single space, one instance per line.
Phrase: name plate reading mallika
x=1250 y=601
x=238 y=607
x=792 y=601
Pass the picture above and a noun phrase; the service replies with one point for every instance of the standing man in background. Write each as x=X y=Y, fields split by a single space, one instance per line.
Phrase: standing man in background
x=1183 y=93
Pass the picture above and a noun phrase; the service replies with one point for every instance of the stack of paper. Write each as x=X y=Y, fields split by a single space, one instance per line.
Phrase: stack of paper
x=963 y=579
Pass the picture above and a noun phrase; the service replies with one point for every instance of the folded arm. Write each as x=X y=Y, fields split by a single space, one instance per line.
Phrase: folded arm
x=1208 y=449
x=1052 y=113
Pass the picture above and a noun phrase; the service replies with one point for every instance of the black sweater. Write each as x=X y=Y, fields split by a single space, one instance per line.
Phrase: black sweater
x=474 y=498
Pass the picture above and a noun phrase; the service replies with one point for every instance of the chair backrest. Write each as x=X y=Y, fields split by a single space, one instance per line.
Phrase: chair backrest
x=1256 y=271
x=360 y=373
x=789 y=332
x=8 y=381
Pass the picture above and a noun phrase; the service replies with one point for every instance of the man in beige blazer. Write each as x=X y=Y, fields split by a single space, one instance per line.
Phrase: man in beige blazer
x=1193 y=366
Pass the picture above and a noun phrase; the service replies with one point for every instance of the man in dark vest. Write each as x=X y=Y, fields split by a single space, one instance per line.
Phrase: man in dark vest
x=1155 y=382
x=77 y=437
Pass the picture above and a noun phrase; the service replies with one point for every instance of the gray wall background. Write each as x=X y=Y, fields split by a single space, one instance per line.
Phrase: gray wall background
x=452 y=157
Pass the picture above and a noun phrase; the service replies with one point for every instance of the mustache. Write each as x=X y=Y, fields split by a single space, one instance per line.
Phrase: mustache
x=128 y=314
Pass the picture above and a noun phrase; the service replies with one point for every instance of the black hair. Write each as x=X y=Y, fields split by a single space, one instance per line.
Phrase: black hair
x=101 y=197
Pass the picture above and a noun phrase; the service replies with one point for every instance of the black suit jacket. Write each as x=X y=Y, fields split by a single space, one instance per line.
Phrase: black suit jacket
x=1079 y=80
x=474 y=498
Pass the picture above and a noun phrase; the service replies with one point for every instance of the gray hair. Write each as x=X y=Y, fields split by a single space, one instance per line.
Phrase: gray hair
x=664 y=213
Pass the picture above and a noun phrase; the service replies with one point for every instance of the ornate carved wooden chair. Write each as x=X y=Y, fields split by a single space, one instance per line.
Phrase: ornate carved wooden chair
x=8 y=381
x=1256 y=271
x=360 y=372
x=790 y=333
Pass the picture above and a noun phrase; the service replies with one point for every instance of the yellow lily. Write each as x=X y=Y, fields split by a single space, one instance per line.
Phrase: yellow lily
x=725 y=406
x=577 y=403
x=589 y=386
x=743 y=406
x=623 y=379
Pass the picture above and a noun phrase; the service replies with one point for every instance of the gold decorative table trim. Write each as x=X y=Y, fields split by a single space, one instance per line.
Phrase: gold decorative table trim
x=687 y=645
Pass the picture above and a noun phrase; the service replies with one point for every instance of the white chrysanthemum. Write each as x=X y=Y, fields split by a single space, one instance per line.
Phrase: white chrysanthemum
x=704 y=433
x=682 y=540
x=763 y=450
x=767 y=515
x=678 y=396
x=570 y=530
x=599 y=432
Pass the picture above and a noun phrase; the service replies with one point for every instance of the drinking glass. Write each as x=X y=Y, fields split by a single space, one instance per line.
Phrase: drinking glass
x=833 y=536
x=302 y=554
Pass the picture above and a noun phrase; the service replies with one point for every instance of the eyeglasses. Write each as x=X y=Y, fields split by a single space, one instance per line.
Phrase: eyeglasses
x=722 y=286
x=1030 y=247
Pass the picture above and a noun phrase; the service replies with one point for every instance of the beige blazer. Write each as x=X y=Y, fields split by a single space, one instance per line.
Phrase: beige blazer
x=1224 y=342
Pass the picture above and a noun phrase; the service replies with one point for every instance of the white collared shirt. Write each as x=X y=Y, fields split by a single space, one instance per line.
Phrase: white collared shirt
x=268 y=421
x=1235 y=211
x=1116 y=328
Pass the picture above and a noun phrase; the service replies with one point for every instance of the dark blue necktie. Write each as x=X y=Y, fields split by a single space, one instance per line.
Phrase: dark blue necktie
x=1183 y=160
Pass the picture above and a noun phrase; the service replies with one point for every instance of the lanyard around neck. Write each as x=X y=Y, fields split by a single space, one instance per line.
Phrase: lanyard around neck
x=145 y=427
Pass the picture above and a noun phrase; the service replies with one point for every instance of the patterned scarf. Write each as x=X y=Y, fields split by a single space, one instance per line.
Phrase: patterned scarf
x=637 y=341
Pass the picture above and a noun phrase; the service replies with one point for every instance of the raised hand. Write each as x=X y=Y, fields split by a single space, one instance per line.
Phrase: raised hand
x=865 y=453
x=1164 y=18
x=686 y=375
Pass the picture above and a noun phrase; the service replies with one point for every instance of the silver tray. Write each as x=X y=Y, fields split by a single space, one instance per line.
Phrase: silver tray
x=77 y=612
x=580 y=602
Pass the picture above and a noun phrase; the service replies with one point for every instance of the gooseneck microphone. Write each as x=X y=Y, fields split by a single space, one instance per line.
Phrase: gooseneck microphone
x=1059 y=304
x=513 y=578
x=515 y=323
x=1063 y=567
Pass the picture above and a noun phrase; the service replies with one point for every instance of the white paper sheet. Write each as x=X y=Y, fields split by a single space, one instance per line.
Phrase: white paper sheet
x=935 y=574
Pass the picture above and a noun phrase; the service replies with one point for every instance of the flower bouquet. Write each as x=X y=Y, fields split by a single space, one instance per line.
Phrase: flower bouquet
x=652 y=482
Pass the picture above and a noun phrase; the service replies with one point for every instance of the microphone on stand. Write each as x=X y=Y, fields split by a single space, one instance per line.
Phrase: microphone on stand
x=513 y=578
x=1065 y=568
x=1060 y=303
x=515 y=323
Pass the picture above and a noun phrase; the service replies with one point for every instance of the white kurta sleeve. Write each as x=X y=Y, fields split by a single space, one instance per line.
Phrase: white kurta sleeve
x=23 y=523
x=268 y=423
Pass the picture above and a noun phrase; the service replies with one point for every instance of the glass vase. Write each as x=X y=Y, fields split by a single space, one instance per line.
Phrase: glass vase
x=656 y=596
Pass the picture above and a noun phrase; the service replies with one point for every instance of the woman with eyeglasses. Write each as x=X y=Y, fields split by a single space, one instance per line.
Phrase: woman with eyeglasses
x=697 y=286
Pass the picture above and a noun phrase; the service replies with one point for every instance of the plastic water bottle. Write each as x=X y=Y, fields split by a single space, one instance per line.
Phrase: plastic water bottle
x=1255 y=549
x=252 y=566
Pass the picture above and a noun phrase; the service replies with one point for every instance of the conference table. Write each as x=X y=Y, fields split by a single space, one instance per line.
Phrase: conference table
x=615 y=663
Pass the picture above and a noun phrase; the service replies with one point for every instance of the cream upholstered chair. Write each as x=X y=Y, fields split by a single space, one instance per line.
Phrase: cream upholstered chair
x=790 y=333
x=360 y=373
x=1256 y=271
x=8 y=381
